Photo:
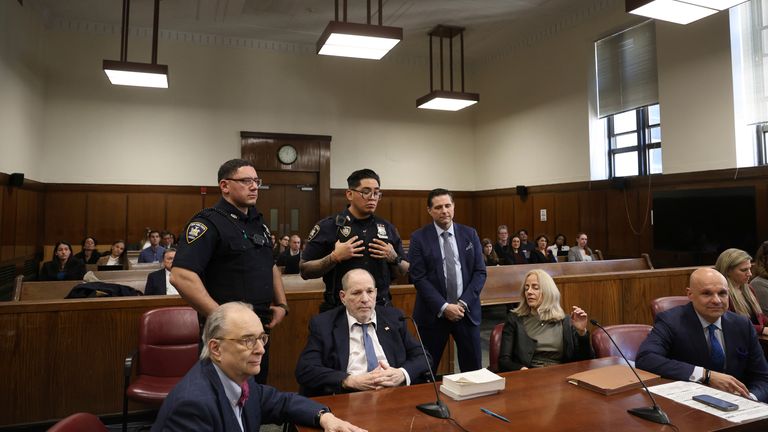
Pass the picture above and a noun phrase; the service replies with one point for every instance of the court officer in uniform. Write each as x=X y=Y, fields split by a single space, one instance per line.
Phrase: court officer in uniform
x=355 y=238
x=225 y=254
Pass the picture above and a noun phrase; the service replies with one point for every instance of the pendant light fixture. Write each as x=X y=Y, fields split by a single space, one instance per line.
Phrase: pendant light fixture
x=366 y=41
x=680 y=12
x=128 y=73
x=447 y=100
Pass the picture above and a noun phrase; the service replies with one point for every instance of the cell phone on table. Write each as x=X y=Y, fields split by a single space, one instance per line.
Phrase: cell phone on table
x=714 y=402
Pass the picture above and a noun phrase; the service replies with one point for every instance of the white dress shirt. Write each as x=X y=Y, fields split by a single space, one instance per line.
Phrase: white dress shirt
x=169 y=289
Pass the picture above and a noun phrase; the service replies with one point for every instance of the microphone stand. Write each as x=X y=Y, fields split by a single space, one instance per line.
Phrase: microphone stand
x=653 y=413
x=437 y=409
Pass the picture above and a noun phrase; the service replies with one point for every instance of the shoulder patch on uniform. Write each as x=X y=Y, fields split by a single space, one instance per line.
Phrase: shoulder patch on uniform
x=195 y=230
x=313 y=233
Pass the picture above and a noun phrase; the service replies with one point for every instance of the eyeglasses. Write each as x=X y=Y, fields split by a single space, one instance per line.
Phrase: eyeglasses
x=368 y=194
x=247 y=181
x=250 y=341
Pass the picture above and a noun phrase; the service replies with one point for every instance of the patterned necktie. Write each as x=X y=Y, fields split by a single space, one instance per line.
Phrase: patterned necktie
x=244 y=395
x=370 y=353
x=716 y=354
x=450 y=269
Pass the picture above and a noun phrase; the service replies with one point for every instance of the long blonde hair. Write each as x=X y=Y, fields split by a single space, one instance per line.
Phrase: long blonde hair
x=550 y=309
x=744 y=302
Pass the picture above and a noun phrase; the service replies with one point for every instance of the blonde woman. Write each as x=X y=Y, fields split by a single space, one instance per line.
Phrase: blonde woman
x=538 y=333
x=736 y=266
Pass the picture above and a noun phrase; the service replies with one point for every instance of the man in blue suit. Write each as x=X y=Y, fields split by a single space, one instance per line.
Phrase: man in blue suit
x=448 y=271
x=704 y=342
x=219 y=392
x=335 y=359
x=158 y=282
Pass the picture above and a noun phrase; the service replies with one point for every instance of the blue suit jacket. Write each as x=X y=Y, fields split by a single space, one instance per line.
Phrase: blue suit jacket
x=677 y=344
x=322 y=365
x=156 y=283
x=428 y=276
x=198 y=403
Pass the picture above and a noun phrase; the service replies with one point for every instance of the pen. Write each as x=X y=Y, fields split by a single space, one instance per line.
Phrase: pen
x=493 y=414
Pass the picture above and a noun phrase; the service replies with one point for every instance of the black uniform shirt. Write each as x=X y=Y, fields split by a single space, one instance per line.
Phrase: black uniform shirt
x=342 y=227
x=232 y=254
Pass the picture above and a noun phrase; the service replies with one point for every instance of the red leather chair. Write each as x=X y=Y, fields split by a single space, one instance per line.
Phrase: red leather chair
x=168 y=348
x=79 y=422
x=494 y=347
x=627 y=336
x=664 y=303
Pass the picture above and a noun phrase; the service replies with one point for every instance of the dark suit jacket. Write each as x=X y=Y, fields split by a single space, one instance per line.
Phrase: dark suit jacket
x=322 y=366
x=291 y=263
x=198 y=403
x=427 y=273
x=74 y=269
x=517 y=348
x=677 y=344
x=156 y=283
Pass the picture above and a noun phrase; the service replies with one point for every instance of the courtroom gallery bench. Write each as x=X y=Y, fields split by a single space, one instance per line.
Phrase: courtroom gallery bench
x=52 y=290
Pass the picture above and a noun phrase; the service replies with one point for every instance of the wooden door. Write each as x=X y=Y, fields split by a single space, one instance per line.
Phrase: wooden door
x=289 y=209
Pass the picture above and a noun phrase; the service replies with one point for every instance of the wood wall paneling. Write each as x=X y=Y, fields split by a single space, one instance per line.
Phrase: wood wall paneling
x=505 y=214
x=592 y=217
x=485 y=216
x=180 y=208
x=6 y=228
x=566 y=215
x=462 y=210
x=523 y=212
x=545 y=201
x=407 y=214
x=65 y=216
x=144 y=211
x=106 y=217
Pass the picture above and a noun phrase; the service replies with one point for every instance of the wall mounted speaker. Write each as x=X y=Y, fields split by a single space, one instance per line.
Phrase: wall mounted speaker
x=522 y=191
x=16 y=180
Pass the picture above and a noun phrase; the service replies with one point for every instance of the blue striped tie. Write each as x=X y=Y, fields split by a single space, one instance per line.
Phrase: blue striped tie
x=716 y=354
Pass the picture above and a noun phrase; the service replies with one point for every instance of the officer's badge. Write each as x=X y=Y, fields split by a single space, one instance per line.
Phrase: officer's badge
x=382 y=231
x=313 y=233
x=195 y=230
x=346 y=231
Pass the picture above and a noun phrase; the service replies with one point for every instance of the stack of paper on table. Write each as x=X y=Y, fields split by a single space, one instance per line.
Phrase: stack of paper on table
x=469 y=385
x=612 y=379
x=683 y=392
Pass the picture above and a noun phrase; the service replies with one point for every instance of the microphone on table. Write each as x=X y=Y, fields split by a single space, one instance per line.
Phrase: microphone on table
x=437 y=409
x=653 y=413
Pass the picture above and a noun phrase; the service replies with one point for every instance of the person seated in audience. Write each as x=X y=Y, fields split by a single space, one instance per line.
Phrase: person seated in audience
x=560 y=248
x=290 y=257
x=542 y=254
x=280 y=247
x=580 y=252
x=704 y=342
x=167 y=240
x=219 y=393
x=516 y=254
x=489 y=255
x=538 y=333
x=88 y=254
x=358 y=346
x=502 y=246
x=760 y=281
x=154 y=253
x=526 y=246
x=736 y=266
x=158 y=282
x=63 y=266
x=116 y=255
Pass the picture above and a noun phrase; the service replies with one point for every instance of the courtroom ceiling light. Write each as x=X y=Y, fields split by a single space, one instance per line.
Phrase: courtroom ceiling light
x=442 y=99
x=123 y=72
x=680 y=12
x=366 y=41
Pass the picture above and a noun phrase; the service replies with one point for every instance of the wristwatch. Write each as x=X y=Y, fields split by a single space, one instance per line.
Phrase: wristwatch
x=320 y=414
x=398 y=260
x=285 y=308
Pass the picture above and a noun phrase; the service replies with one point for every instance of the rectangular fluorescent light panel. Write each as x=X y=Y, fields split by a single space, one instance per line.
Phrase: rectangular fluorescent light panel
x=136 y=74
x=366 y=47
x=673 y=11
x=446 y=100
x=717 y=4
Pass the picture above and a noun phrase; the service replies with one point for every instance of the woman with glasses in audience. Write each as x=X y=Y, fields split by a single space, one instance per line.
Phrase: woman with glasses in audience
x=63 y=266
x=538 y=333
x=542 y=254
x=736 y=266
x=88 y=254
x=116 y=255
x=489 y=255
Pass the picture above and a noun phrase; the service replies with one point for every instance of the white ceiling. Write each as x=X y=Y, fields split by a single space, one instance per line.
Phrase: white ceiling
x=491 y=25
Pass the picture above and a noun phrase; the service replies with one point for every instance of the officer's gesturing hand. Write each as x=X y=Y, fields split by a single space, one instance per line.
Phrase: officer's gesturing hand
x=382 y=250
x=349 y=249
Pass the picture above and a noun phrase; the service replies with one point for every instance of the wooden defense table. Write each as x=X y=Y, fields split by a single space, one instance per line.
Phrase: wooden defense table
x=533 y=400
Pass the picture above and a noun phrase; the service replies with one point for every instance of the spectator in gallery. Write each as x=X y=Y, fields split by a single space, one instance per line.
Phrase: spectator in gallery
x=502 y=246
x=167 y=240
x=760 y=281
x=525 y=245
x=560 y=248
x=116 y=255
x=63 y=266
x=281 y=246
x=489 y=254
x=290 y=258
x=88 y=254
x=736 y=266
x=581 y=252
x=542 y=254
x=516 y=253
x=154 y=253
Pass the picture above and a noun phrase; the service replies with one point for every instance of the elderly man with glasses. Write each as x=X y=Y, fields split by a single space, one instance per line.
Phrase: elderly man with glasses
x=219 y=393
x=355 y=238
x=226 y=254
